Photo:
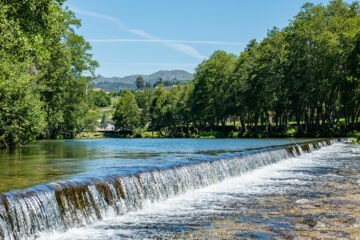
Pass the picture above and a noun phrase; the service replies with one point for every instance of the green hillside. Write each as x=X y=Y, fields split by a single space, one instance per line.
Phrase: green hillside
x=117 y=83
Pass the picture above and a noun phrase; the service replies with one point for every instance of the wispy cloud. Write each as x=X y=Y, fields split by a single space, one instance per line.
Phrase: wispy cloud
x=186 y=49
x=164 y=41
x=101 y=16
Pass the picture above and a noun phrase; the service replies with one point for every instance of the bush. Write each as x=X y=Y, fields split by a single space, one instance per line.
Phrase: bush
x=138 y=132
x=179 y=135
x=234 y=134
x=353 y=134
x=292 y=132
x=212 y=134
x=194 y=135
x=209 y=137
x=90 y=121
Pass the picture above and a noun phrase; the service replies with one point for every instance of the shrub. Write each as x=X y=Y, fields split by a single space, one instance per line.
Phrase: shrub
x=292 y=132
x=353 y=133
x=234 y=134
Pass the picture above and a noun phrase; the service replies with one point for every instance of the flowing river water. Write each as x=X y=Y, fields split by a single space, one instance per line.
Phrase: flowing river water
x=181 y=189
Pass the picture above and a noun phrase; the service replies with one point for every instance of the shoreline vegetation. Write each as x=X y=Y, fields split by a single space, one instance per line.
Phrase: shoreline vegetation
x=291 y=133
x=299 y=81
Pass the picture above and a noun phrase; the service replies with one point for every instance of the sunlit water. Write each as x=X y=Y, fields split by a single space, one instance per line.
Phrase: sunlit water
x=229 y=199
x=48 y=161
x=162 y=188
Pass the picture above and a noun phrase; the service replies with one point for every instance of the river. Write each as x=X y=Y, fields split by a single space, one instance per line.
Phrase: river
x=174 y=188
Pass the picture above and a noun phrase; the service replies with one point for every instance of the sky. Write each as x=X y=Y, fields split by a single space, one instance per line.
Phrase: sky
x=142 y=36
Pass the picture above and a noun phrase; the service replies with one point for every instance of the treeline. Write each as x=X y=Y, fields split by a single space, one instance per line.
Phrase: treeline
x=42 y=72
x=306 y=75
x=141 y=84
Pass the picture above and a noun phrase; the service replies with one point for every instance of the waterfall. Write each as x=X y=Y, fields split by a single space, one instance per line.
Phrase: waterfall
x=62 y=205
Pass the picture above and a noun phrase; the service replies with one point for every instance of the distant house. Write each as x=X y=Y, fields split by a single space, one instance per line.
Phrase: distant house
x=175 y=86
x=97 y=89
x=107 y=93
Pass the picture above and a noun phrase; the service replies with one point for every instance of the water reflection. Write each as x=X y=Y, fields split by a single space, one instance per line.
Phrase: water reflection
x=48 y=161
x=38 y=163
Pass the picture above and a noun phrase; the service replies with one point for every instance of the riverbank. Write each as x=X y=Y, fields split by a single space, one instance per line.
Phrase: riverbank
x=229 y=132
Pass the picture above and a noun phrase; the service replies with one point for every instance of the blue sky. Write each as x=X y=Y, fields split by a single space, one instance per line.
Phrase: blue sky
x=143 y=36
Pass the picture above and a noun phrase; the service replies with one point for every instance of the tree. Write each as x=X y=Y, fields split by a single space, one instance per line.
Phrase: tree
x=101 y=99
x=40 y=35
x=21 y=116
x=183 y=107
x=167 y=83
x=63 y=85
x=163 y=114
x=90 y=121
x=211 y=88
x=104 y=122
x=140 y=82
x=38 y=42
x=127 y=113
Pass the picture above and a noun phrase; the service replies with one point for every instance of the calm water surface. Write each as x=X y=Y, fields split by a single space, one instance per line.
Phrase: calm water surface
x=48 y=161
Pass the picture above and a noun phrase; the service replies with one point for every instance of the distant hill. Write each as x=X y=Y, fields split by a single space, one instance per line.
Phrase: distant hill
x=117 y=83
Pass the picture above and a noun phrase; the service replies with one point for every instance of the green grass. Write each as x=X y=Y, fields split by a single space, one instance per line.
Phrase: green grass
x=109 y=110
x=150 y=135
x=90 y=135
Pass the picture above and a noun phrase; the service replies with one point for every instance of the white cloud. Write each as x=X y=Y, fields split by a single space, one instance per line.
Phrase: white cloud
x=186 y=49
x=101 y=16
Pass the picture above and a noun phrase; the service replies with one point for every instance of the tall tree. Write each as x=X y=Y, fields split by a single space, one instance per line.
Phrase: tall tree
x=211 y=88
x=21 y=115
x=127 y=113
x=104 y=122
x=38 y=41
x=140 y=82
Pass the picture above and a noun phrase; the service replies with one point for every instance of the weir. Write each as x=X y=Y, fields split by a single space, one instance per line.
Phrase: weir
x=63 y=205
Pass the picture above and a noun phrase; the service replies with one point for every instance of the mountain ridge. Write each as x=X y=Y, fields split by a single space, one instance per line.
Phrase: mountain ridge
x=117 y=83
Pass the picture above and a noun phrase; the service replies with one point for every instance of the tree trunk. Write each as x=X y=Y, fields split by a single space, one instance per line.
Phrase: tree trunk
x=268 y=124
x=223 y=123
x=312 y=113
x=318 y=114
x=243 y=124
x=298 y=121
x=306 y=116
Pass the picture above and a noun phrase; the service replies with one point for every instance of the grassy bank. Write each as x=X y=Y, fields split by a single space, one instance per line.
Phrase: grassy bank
x=95 y=135
x=89 y=135
x=229 y=132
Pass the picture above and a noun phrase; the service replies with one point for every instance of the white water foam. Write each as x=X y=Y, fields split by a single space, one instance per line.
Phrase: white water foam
x=206 y=201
